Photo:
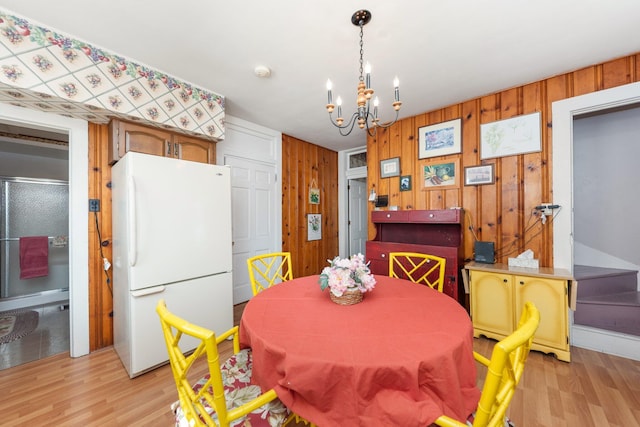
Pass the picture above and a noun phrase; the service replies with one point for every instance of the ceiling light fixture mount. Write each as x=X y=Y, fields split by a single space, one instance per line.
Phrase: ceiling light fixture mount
x=363 y=115
x=262 y=71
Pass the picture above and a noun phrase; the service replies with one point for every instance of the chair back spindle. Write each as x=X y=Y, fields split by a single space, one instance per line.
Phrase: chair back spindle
x=419 y=268
x=269 y=269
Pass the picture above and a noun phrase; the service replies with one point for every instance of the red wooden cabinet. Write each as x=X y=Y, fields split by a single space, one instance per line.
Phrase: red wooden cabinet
x=435 y=232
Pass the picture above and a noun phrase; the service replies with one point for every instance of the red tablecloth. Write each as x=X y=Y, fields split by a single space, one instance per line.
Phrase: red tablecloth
x=401 y=357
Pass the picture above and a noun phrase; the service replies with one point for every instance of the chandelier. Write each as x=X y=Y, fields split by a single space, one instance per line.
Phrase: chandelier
x=364 y=116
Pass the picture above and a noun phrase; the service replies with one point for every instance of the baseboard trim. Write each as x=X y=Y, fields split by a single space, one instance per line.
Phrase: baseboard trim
x=604 y=341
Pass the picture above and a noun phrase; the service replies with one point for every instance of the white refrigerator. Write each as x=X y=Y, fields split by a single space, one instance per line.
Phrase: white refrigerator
x=171 y=241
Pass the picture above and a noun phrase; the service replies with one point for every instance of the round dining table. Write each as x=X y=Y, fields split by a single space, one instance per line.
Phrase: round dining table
x=401 y=357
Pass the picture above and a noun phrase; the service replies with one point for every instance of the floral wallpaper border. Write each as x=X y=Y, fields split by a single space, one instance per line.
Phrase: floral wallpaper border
x=46 y=70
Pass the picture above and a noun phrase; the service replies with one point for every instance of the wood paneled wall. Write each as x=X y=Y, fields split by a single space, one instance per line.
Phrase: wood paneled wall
x=100 y=281
x=502 y=212
x=302 y=164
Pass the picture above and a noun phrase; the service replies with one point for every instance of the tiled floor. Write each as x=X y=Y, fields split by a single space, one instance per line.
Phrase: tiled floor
x=49 y=338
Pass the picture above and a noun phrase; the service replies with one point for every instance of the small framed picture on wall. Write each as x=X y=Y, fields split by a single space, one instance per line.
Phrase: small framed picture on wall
x=314 y=226
x=405 y=183
x=440 y=139
x=390 y=167
x=441 y=175
x=479 y=175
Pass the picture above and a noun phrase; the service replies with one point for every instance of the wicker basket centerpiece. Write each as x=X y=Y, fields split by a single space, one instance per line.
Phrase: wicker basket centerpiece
x=347 y=279
x=349 y=297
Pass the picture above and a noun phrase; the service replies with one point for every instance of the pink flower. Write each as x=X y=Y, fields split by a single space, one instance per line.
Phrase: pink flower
x=345 y=274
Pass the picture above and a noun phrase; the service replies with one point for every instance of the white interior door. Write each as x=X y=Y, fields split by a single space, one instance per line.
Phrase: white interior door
x=253 y=185
x=357 y=216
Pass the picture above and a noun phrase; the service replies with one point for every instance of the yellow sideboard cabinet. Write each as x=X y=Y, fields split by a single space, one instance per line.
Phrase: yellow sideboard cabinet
x=498 y=294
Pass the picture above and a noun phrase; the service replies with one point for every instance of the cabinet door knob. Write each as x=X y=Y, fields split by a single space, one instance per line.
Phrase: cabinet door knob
x=388 y=215
x=505 y=280
x=383 y=255
x=521 y=282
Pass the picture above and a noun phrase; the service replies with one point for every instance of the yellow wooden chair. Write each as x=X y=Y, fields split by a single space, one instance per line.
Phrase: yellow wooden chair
x=223 y=395
x=268 y=269
x=419 y=268
x=503 y=375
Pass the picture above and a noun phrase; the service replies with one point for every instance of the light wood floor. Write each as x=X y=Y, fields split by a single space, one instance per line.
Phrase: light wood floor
x=595 y=389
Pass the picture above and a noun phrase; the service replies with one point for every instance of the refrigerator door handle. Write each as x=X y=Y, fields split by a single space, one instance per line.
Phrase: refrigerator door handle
x=133 y=244
x=147 y=291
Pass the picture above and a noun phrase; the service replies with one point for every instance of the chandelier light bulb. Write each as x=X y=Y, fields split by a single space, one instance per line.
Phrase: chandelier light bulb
x=396 y=93
x=367 y=71
x=376 y=102
x=329 y=85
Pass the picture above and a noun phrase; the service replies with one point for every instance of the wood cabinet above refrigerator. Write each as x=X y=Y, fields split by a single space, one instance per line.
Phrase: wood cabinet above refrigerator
x=126 y=136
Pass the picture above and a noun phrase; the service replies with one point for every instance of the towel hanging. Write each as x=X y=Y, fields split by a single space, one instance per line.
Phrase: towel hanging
x=34 y=257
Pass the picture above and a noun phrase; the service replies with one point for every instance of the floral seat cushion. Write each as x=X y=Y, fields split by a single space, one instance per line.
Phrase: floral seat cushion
x=236 y=376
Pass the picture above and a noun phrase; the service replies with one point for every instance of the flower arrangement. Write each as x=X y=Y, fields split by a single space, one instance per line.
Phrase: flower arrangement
x=347 y=274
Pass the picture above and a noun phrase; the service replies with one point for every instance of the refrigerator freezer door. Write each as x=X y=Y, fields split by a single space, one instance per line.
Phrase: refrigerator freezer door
x=206 y=302
x=172 y=219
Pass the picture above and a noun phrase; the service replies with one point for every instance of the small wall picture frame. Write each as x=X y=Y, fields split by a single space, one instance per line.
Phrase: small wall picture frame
x=390 y=167
x=314 y=196
x=479 y=175
x=440 y=139
x=405 y=183
x=314 y=227
x=441 y=175
x=314 y=193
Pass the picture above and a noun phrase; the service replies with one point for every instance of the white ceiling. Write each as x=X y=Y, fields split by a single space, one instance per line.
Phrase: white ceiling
x=443 y=52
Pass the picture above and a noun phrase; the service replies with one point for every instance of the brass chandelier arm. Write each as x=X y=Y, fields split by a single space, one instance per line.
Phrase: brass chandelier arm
x=369 y=118
x=377 y=124
x=350 y=125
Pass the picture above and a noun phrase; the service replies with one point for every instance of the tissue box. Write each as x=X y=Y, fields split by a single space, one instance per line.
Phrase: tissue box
x=523 y=262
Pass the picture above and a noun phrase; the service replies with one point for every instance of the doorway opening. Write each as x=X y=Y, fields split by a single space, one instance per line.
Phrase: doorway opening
x=357 y=215
x=34 y=211
x=565 y=114
x=76 y=131
x=352 y=193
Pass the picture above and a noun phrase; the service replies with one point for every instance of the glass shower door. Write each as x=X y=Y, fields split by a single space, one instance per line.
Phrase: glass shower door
x=34 y=208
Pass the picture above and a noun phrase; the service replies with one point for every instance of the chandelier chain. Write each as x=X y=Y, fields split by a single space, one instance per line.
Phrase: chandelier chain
x=361 y=52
